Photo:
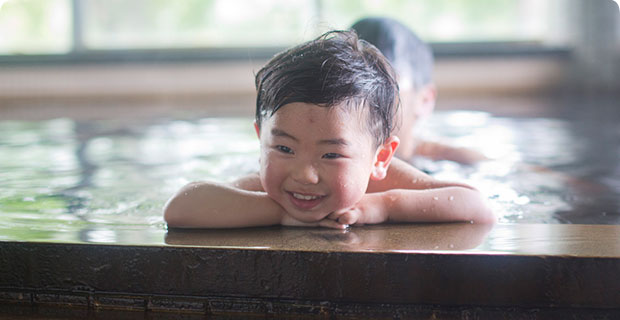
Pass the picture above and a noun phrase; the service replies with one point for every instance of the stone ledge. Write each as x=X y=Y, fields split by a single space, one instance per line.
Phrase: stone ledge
x=179 y=307
x=391 y=269
x=449 y=270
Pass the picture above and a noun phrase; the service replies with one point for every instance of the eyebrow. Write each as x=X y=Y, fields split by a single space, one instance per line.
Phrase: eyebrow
x=337 y=141
x=282 y=133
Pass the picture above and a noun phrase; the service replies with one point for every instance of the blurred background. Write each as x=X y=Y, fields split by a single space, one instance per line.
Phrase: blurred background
x=94 y=57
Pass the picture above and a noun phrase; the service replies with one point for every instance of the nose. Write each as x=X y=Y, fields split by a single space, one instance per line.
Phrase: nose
x=305 y=173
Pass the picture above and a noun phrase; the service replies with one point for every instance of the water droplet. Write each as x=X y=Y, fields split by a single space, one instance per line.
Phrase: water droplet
x=451 y=198
x=451 y=246
x=435 y=198
x=185 y=193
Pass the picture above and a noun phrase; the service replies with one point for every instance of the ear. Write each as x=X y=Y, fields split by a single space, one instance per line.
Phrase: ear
x=383 y=157
x=257 y=129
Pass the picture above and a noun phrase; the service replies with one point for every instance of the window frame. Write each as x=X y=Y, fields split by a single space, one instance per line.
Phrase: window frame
x=80 y=54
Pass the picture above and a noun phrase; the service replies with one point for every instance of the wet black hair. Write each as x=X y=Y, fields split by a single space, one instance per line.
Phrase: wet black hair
x=411 y=57
x=337 y=68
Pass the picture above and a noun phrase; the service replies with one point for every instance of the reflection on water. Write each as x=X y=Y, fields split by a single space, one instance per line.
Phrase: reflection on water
x=373 y=238
x=545 y=170
x=106 y=181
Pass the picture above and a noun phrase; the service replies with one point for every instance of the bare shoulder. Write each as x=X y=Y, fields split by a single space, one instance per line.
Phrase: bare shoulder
x=400 y=169
x=402 y=175
x=251 y=182
x=399 y=165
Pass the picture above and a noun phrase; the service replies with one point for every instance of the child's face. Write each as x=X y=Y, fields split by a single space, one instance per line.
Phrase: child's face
x=315 y=160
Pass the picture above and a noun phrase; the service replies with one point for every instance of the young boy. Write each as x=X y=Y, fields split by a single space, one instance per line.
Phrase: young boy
x=325 y=114
x=413 y=61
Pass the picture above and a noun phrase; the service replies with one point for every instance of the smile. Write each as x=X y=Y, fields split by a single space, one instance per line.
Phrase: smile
x=305 y=201
x=304 y=197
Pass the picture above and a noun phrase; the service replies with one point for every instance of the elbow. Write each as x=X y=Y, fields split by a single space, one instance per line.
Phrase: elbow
x=186 y=209
x=485 y=216
x=472 y=207
x=172 y=213
x=177 y=210
x=482 y=213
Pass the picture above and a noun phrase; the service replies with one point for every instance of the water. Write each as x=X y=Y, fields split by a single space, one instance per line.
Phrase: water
x=100 y=181
x=107 y=180
x=546 y=170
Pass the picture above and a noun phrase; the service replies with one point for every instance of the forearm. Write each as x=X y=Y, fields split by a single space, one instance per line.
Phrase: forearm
x=439 y=151
x=213 y=205
x=449 y=204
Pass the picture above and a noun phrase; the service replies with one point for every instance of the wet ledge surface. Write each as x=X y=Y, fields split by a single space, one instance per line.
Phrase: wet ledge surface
x=460 y=239
x=374 y=270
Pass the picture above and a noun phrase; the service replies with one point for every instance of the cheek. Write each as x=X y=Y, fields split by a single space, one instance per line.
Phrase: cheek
x=270 y=175
x=351 y=186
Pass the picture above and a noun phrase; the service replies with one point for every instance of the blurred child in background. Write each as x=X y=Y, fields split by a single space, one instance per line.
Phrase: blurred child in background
x=412 y=59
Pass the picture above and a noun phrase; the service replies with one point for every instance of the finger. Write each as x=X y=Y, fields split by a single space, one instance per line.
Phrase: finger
x=335 y=215
x=349 y=217
x=328 y=223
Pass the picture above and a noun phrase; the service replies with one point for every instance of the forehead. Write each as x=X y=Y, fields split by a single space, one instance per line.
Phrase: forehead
x=338 y=119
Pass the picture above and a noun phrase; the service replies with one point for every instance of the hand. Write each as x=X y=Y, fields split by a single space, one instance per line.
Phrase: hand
x=348 y=216
x=288 y=220
x=467 y=156
x=371 y=209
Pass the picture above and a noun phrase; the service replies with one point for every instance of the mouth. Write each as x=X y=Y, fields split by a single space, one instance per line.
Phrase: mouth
x=305 y=201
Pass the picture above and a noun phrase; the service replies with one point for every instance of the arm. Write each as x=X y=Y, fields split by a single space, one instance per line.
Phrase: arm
x=214 y=205
x=447 y=204
x=242 y=204
x=401 y=175
x=439 y=151
x=409 y=195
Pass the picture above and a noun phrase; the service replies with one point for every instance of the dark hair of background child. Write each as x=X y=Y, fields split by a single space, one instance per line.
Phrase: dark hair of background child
x=411 y=57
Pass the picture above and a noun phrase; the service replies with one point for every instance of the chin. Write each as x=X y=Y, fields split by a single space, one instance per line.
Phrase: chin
x=304 y=217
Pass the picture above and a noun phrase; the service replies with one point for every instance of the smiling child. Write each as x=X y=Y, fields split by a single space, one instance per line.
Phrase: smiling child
x=325 y=115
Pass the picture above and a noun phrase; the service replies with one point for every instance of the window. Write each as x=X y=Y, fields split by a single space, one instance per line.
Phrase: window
x=114 y=24
x=34 y=27
x=453 y=20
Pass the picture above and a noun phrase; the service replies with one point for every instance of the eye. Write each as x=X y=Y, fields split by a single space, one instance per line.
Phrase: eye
x=284 y=149
x=332 y=155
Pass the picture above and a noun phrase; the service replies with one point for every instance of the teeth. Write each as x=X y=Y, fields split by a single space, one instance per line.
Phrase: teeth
x=302 y=197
